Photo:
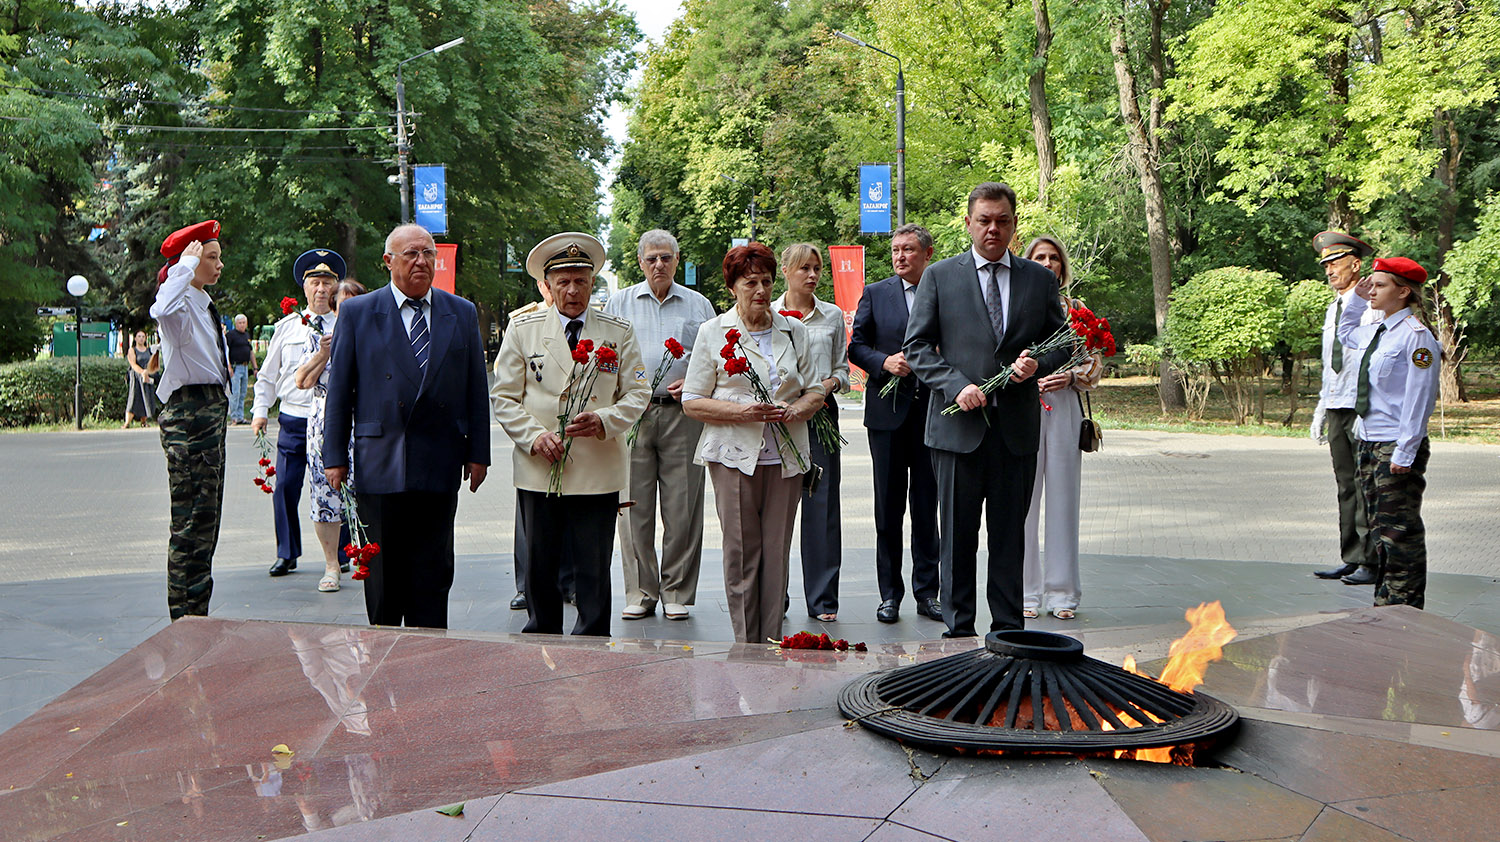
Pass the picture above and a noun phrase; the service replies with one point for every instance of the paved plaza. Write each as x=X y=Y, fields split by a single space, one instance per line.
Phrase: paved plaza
x=1169 y=520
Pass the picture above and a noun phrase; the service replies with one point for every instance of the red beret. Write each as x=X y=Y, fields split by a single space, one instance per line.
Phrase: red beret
x=178 y=240
x=1402 y=267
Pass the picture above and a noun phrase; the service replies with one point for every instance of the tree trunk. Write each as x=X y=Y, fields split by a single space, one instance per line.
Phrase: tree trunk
x=1340 y=216
x=1142 y=153
x=349 y=241
x=1445 y=132
x=1041 y=117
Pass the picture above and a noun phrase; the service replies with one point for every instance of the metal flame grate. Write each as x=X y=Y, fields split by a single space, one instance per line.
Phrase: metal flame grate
x=989 y=699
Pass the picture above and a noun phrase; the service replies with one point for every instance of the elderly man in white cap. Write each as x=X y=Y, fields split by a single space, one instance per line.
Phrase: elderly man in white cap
x=573 y=524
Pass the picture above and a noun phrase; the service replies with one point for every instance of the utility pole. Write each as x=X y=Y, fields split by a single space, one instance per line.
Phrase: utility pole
x=900 y=124
x=403 y=148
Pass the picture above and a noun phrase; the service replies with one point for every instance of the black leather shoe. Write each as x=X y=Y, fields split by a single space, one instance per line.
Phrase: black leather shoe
x=1337 y=572
x=888 y=612
x=571 y=599
x=930 y=608
x=283 y=566
x=953 y=634
x=344 y=567
x=518 y=602
x=1361 y=576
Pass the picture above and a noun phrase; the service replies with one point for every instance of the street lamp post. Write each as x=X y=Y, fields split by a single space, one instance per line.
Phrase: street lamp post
x=900 y=125
x=752 y=202
x=403 y=149
x=78 y=285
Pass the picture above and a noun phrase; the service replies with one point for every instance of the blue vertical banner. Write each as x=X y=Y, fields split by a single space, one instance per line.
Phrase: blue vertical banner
x=874 y=198
x=690 y=274
x=431 y=185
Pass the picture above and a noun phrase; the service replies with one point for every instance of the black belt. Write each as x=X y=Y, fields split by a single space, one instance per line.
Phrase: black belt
x=663 y=401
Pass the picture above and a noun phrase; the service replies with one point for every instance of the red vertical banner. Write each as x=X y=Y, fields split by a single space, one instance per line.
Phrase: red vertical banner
x=848 y=268
x=446 y=271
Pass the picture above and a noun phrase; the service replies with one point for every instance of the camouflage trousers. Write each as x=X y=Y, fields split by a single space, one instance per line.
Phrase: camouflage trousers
x=192 y=433
x=1394 y=504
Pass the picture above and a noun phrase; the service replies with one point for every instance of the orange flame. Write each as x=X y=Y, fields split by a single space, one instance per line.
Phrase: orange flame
x=1190 y=655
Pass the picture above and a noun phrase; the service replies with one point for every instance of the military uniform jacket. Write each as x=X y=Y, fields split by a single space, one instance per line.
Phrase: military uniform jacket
x=531 y=374
x=1404 y=368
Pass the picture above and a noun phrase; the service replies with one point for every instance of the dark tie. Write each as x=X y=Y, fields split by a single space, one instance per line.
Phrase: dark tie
x=213 y=312
x=1362 y=394
x=575 y=328
x=1338 y=347
x=420 y=340
x=994 y=304
x=318 y=323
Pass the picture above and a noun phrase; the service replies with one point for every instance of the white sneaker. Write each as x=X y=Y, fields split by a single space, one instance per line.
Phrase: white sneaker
x=637 y=611
x=675 y=611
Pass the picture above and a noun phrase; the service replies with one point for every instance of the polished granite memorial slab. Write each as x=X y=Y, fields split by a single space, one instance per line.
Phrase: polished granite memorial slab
x=1379 y=724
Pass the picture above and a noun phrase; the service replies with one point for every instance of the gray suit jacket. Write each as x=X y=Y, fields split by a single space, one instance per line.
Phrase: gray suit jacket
x=950 y=344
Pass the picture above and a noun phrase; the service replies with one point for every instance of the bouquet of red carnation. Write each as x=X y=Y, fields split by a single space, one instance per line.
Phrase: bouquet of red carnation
x=734 y=364
x=289 y=305
x=675 y=351
x=360 y=550
x=1085 y=333
x=266 y=473
x=808 y=640
x=576 y=398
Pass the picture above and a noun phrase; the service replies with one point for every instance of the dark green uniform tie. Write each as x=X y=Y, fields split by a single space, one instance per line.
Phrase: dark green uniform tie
x=1338 y=347
x=1362 y=394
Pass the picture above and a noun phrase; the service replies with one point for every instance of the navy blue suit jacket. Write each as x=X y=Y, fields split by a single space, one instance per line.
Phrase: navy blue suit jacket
x=950 y=344
x=879 y=331
x=411 y=433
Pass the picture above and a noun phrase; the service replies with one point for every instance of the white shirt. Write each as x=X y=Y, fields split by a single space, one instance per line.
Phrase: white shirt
x=1338 y=391
x=408 y=314
x=830 y=340
x=1002 y=277
x=910 y=289
x=190 y=339
x=277 y=379
x=1404 y=370
x=678 y=316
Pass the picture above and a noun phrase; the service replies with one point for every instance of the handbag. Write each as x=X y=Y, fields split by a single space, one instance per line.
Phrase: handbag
x=1090 y=434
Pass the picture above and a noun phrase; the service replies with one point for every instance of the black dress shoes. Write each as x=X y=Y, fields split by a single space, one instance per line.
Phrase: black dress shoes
x=954 y=634
x=1361 y=576
x=1337 y=572
x=283 y=566
x=344 y=568
x=888 y=612
x=930 y=608
x=518 y=602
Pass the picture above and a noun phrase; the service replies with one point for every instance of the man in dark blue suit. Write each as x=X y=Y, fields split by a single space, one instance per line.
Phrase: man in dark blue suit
x=407 y=379
x=974 y=314
x=900 y=459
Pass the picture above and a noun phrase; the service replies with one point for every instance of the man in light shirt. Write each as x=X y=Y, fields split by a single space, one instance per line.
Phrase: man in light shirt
x=661 y=460
x=194 y=391
x=319 y=272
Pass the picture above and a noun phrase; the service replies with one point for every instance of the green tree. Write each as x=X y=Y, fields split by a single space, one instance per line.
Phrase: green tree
x=1227 y=320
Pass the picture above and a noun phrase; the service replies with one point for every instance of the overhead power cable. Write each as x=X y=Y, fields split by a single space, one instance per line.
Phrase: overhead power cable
x=228 y=129
x=135 y=101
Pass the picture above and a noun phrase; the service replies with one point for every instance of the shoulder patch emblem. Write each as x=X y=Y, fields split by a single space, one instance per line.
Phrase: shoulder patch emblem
x=640 y=374
x=1421 y=358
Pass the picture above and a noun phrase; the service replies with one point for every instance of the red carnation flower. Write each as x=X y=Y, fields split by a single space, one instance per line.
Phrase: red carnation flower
x=270 y=472
x=264 y=461
x=288 y=304
x=732 y=336
x=675 y=348
x=580 y=354
x=605 y=357
x=267 y=488
x=736 y=365
x=792 y=314
x=351 y=550
x=259 y=481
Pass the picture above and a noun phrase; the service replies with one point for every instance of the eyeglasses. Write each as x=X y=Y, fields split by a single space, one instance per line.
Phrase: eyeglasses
x=660 y=258
x=410 y=255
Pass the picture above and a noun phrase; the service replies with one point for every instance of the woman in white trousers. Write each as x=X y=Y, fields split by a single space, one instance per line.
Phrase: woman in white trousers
x=1052 y=582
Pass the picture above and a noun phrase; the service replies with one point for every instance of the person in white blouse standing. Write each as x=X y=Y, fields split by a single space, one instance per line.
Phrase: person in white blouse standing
x=822 y=540
x=318 y=272
x=1052 y=581
x=194 y=391
x=1342 y=257
x=1396 y=388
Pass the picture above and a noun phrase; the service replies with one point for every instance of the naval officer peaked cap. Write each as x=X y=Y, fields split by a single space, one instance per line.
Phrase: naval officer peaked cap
x=318 y=262
x=568 y=250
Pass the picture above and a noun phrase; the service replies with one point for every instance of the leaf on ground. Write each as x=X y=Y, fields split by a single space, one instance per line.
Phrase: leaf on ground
x=454 y=810
x=281 y=748
x=547 y=659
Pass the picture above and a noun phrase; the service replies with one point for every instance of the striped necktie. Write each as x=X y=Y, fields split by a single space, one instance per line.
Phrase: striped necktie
x=993 y=303
x=420 y=338
x=1362 y=393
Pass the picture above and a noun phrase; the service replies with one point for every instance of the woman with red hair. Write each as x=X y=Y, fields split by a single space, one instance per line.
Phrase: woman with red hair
x=754 y=398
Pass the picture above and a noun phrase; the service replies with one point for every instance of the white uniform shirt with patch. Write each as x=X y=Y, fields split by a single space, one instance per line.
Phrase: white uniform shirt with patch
x=1404 y=370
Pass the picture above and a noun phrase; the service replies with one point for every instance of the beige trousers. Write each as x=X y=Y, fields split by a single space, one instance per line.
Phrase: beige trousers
x=663 y=458
x=757 y=514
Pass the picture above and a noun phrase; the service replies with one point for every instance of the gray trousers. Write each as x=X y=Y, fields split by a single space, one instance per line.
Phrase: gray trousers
x=757 y=514
x=661 y=463
x=1355 y=544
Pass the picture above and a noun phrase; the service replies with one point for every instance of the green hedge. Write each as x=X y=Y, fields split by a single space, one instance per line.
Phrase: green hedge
x=41 y=392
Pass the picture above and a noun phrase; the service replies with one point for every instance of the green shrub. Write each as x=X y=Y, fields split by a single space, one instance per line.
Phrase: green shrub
x=41 y=392
x=1227 y=319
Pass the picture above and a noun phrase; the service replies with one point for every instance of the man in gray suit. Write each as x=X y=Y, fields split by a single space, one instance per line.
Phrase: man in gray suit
x=974 y=314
